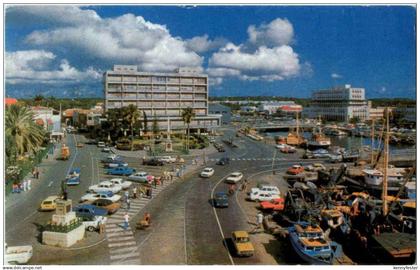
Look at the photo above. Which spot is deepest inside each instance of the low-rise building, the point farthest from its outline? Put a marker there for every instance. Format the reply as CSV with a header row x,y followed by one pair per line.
x,y
248,109
407,113
48,118
340,104
272,107
219,109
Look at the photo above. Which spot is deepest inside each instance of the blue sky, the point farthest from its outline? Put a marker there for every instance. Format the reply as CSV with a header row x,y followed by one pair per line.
x,y
246,50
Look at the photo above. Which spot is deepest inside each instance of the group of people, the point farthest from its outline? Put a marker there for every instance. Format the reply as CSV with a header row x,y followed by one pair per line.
x,y
26,184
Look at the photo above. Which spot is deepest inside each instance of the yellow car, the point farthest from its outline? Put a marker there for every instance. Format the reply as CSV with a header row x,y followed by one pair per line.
x,y
49,203
80,145
242,243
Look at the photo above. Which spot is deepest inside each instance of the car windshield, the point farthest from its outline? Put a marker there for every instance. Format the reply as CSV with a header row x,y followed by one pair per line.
x,y
242,239
47,202
235,174
207,170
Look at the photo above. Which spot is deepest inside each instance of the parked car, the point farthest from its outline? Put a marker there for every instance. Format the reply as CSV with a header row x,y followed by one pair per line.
x,y
88,210
116,163
101,144
121,171
108,205
74,181
288,149
234,177
220,199
207,172
120,182
49,204
92,223
265,188
112,158
308,154
320,153
166,159
106,149
295,169
315,167
152,162
105,186
17,254
335,158
141,177
73,172
262,196
242,243
79,144
223,161
281,146
90,197
273,205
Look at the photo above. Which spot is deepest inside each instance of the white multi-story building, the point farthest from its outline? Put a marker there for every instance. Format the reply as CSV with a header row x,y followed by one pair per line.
x,y
273,107
340,104
161,95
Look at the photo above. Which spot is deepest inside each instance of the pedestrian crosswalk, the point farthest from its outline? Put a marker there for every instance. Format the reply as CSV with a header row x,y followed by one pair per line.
x,y
122,245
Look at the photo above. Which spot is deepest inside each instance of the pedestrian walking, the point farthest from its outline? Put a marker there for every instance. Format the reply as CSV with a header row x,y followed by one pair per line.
x,y
15,188
260,218
126,218
155,182
29,184
128,204
135,192
37,173
163,179
25,185
126,194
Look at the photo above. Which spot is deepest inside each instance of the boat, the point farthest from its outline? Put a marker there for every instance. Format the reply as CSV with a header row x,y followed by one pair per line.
x,y
294,138
350,156
374,177
319,140
310,244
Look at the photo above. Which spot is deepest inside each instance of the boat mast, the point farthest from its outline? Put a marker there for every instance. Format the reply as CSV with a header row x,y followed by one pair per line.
x,y
297,124
372,140
385,174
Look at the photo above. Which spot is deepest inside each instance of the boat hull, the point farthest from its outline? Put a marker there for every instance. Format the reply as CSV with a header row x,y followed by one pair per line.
x,y
304,256
314,145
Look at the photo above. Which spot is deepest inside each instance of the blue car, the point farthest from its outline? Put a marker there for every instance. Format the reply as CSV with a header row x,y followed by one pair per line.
x,y
89,211
121,171
75,171
73,181
221,199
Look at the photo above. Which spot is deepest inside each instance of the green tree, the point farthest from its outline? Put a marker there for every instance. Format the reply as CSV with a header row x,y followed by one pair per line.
x,y
155,126
21,131
187,115
38,99
132,114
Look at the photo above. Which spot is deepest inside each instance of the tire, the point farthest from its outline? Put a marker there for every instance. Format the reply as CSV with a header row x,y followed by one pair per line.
x,y
91,228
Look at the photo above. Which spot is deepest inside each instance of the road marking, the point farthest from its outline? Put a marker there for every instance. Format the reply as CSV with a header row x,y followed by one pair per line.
x,y
128,262
124,233
115,239
217,218
132,243
123,256
114,229
121,250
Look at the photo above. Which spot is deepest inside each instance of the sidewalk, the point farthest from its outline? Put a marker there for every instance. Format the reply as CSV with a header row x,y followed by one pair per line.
x,y
46,163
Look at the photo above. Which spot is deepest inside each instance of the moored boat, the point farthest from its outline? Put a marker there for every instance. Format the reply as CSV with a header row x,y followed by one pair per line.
x,y
310,244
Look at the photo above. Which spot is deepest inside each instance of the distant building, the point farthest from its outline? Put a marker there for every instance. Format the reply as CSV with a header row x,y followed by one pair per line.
x,y
48,118
407,113
10,101
225,111
340,104
161,95
273,107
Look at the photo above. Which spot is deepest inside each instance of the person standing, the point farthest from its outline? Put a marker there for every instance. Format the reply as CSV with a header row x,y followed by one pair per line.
x,y
29,184
128,204
25,185
126,218
135,192
126,194
260,218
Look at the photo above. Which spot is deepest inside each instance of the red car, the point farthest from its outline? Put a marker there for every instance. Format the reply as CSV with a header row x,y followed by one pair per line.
x,y
295,169
288,149
274,205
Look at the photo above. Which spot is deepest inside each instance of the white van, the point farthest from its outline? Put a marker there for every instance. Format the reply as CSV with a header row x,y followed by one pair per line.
x,y
101,144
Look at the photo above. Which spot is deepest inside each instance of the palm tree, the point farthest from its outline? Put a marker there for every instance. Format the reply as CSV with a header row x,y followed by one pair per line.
x,y
38,99
21,131
132,114
187,115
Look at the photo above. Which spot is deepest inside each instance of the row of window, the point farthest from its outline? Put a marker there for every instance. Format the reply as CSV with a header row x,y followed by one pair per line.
x,y
155,79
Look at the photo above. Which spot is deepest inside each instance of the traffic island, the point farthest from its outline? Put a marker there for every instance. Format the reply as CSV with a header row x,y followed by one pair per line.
x,y
65,229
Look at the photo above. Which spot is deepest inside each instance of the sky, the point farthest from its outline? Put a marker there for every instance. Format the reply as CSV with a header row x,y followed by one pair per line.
x,y
288,51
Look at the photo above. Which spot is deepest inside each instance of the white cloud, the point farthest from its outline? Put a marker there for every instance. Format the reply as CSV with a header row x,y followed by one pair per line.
x,y
336,76
37,66
266,55
203,43
126,39
277,33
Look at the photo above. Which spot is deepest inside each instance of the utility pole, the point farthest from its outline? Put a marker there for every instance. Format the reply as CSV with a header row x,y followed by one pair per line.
x,y
385,174
274,158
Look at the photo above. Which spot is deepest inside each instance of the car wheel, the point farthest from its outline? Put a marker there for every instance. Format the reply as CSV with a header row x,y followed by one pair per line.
x,y
91,228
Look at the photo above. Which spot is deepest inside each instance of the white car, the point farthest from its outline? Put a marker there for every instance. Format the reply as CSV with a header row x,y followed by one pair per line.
x,y
92,223
207,172
267,189
90,197
234,177
262,196
105,186
121,182
17,254
281,146
167,159
141,177
106,149
101,144
117,164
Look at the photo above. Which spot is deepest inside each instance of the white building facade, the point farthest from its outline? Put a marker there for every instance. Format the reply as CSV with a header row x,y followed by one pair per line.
x,y
161,95
340,104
